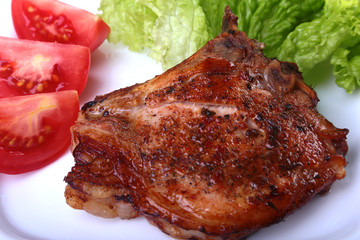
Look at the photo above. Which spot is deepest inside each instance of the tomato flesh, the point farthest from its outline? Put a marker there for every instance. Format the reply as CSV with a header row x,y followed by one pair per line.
x,y
30,85
29,67
34,129
45,26
54,21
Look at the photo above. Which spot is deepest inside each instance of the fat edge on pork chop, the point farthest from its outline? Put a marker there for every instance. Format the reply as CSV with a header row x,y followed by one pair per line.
x,y
217,147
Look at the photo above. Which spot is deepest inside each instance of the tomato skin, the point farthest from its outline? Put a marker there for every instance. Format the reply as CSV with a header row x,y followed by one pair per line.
x,y
35,129
29,67
54,21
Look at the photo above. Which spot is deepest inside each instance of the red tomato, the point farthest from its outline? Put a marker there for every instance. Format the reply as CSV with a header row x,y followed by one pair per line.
x,y
54,21
34,129
28,67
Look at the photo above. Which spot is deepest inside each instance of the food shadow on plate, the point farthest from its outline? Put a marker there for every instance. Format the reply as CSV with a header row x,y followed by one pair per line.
x,y
319,74
94,83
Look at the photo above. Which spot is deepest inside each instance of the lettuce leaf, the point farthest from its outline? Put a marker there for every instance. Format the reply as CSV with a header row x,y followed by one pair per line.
x,y
313,42
173,30
274,20
347,68
180,29
306,32
214,11
245,10
129,22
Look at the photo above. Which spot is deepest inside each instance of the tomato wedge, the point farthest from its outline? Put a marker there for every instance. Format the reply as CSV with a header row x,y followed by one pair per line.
x,y
29,67
54,21
35,129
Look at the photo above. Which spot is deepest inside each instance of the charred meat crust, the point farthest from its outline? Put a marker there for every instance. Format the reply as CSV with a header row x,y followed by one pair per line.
x,y
224,143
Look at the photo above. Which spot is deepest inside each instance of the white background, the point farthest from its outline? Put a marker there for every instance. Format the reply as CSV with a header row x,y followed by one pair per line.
x,y
32,205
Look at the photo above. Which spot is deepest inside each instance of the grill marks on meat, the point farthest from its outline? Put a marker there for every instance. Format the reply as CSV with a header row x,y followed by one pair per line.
x,y
224,143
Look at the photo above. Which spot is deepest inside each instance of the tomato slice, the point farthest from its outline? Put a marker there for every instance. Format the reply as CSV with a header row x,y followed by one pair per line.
x,y
29,67
54,21
35,129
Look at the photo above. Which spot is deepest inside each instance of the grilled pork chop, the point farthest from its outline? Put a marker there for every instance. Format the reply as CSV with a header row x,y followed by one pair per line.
x,y
224,143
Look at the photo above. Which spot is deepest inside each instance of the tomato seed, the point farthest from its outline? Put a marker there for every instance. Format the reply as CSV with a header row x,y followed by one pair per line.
x,y
47,129
31,9
4,138
6,69
65,37
55,77
20,83
40,87
12,142
49,27
41,139
29,143
30,85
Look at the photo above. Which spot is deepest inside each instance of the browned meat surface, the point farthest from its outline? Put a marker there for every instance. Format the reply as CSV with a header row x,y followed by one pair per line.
x,y
217,147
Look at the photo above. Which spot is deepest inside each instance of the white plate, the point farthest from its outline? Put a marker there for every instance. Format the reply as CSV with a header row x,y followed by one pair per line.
x,y
32,205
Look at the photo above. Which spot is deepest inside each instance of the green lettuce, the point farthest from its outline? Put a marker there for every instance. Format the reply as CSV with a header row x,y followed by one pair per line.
x,y
313,42
214,11
307,32
245,10
172,30
347,68
272,21
180,29
129,22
